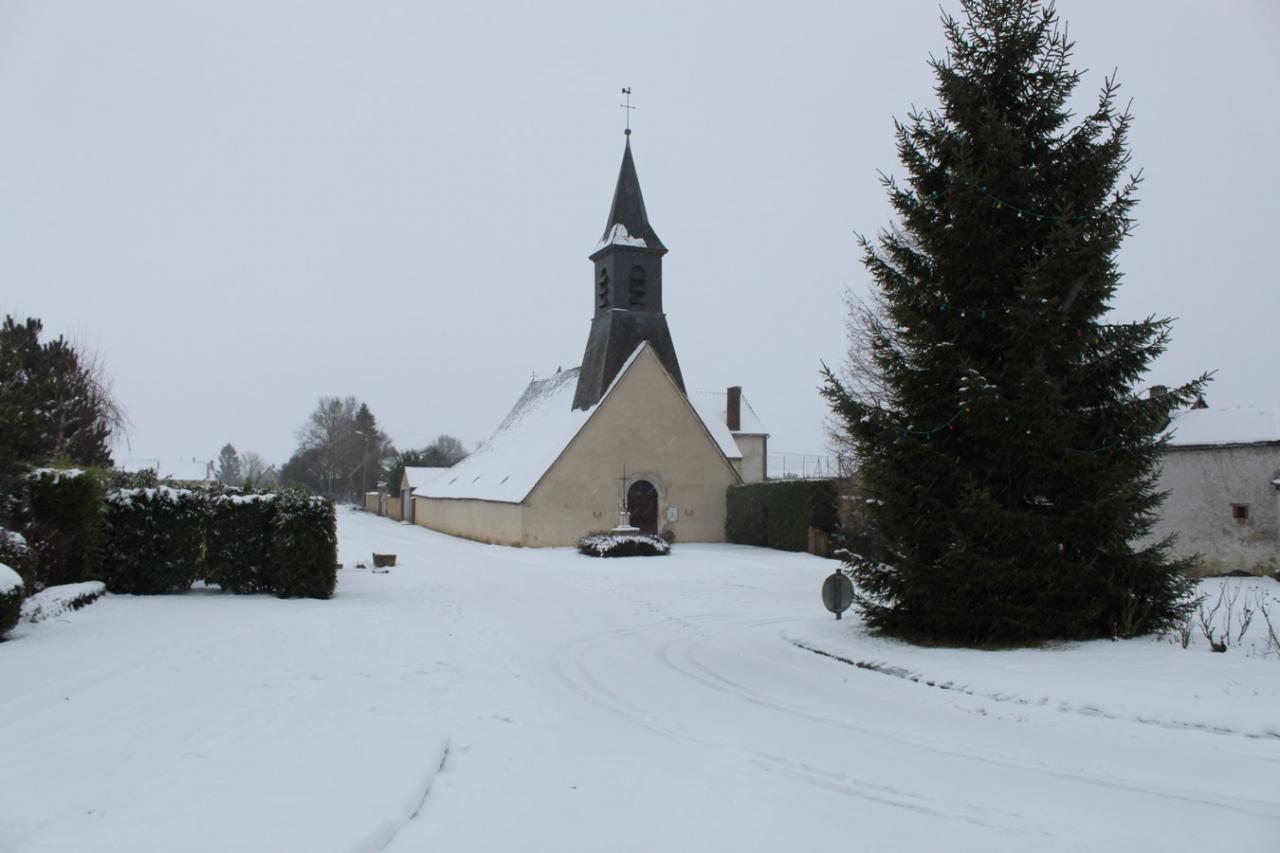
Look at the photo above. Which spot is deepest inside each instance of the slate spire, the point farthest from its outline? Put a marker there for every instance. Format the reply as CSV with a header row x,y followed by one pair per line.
x,y
627,292
628,206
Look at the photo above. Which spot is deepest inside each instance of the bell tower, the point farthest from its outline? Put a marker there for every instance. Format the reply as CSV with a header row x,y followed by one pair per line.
x,y
627,292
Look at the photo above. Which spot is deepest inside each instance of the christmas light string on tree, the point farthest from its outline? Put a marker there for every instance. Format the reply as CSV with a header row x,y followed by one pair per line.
x,y
914,201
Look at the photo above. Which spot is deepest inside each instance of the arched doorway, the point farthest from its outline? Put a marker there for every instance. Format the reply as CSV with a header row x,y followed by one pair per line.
x,y
642,501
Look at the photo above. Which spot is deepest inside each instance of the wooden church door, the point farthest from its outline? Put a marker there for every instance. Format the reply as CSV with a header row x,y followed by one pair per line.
x,y
642,501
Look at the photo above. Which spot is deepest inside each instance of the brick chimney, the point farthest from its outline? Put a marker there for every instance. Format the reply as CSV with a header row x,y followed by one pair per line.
x,y
733,408
1158,391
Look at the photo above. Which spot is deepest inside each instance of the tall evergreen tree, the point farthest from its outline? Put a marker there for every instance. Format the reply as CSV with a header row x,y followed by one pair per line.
x,y
55,402
229,468
1009,455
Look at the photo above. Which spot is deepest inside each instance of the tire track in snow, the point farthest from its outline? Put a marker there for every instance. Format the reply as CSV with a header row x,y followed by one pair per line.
x,y
384,838
680,655
579,677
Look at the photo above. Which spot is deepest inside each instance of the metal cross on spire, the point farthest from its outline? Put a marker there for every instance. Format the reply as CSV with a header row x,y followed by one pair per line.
x,y
626,90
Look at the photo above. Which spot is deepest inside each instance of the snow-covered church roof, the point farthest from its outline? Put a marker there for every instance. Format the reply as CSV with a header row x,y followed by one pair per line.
x,y
1245,424
415,476
532,437
713,406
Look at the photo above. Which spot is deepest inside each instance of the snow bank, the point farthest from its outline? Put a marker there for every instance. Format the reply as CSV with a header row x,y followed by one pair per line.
x,y
1143,680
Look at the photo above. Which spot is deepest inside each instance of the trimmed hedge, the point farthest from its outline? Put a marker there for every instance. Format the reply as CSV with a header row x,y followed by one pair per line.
x,y
238,546
304,546
779,513
11,595
611,544
161,540
65,528
155,540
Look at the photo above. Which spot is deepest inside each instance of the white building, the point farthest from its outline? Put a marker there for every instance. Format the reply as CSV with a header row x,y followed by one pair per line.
x,y
1222,473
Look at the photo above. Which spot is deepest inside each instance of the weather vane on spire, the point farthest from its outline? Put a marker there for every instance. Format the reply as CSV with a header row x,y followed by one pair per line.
x,y
626,90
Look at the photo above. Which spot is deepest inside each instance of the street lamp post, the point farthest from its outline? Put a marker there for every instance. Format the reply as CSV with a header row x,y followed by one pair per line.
x,y
364,461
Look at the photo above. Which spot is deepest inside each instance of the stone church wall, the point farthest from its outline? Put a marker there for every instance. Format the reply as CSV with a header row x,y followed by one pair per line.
x,y
646,424
485,521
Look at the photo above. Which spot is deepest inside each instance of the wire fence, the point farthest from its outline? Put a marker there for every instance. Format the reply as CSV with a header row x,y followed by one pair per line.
x,y
783,465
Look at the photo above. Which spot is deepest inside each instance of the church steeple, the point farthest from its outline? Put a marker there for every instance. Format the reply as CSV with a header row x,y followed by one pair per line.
x,y
628,210
628,292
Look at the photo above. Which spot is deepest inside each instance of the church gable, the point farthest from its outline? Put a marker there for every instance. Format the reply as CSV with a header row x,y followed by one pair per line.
x,y
646,424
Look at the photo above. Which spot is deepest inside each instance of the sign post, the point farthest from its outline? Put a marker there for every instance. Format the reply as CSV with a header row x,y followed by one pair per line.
x,y
837,593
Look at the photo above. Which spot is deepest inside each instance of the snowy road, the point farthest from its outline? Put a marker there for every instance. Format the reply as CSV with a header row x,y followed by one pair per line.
x,y
483,698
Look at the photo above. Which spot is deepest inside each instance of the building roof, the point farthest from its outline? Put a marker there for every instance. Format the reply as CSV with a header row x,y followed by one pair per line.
x,y
525,445
532,437
421,475
714,405
178,470
628,223
1245,424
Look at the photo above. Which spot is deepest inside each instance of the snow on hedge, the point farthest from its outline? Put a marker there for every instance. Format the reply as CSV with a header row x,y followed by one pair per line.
x,y
14,540
9,580
56,475
166,494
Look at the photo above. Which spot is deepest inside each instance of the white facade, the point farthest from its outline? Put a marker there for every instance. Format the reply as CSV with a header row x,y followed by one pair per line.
x,y
1222,476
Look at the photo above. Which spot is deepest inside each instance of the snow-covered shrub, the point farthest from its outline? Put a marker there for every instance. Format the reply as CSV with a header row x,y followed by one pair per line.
x,y
64,529
304,546
610,544
154,540
15,552
54,601
238,542
11,591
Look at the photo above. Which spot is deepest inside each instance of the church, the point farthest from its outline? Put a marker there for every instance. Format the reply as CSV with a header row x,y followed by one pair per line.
x,y
619,431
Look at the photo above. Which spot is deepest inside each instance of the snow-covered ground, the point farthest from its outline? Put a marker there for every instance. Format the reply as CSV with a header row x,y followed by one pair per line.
x,y
486,698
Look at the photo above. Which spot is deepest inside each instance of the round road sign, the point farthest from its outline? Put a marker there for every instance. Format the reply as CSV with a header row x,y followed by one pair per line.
x,y
837,593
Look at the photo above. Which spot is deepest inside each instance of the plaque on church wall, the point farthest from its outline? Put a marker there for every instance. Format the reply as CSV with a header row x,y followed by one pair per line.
x,y
673,513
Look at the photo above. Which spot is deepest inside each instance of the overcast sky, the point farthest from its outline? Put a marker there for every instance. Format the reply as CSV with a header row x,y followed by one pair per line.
x,y
243,206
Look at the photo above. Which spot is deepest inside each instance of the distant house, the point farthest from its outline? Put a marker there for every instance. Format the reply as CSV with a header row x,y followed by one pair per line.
x,y
415,478
1222,473
398,504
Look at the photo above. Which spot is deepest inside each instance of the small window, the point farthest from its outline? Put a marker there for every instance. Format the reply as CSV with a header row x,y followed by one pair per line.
x,y
1240,512
639,287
